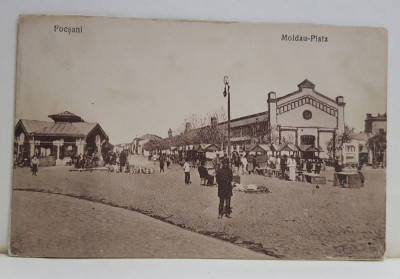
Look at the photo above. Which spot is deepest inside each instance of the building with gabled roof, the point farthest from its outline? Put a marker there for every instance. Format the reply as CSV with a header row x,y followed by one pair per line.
x,y
306,117
303,121
69,135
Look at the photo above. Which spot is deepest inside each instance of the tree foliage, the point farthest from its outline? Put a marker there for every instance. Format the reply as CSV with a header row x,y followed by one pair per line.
x,y
378,145
201,129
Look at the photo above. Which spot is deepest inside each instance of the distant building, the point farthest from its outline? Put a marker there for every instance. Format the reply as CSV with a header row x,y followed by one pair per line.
x,y
56,142
374,124
122,146
137,146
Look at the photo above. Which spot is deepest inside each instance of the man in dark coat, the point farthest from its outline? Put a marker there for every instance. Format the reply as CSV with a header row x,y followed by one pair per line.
x,y
224,179
122,161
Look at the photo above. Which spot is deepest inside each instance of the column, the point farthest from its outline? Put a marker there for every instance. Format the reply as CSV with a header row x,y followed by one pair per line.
x,y
31,148
58,143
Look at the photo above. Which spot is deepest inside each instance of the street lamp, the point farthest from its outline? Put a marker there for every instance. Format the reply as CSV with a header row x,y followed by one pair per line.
x,y
226,92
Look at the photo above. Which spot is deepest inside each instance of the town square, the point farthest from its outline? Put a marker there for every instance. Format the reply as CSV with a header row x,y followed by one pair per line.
x,y
204,148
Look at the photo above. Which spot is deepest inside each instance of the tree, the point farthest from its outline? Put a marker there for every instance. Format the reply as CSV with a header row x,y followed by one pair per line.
x,y
155,145
340,140
201,129
378,145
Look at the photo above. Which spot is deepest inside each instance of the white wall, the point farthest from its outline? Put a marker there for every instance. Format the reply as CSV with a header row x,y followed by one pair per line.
x,y
294,118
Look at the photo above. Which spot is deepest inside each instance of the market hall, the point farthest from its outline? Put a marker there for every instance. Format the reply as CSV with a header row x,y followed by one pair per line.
x,y
57,142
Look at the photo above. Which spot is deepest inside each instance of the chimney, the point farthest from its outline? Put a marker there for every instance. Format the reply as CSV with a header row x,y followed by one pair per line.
x,y
170,133
188,126
272,109
340,118
214,121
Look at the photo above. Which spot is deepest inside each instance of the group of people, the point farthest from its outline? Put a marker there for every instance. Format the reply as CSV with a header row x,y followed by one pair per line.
x,y
164,160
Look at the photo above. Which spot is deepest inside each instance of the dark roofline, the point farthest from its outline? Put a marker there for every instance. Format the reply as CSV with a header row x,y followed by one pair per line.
x,y
59,135
72,117
245,117
298,91
152,135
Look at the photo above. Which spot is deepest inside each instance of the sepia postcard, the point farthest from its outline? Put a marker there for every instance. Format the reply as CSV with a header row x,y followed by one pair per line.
x,y
146,138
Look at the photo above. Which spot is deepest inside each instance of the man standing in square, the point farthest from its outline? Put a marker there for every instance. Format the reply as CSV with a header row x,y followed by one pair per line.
x,y
224,180
186,169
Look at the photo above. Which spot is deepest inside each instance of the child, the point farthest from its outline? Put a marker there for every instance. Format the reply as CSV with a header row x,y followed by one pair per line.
x,y
34,165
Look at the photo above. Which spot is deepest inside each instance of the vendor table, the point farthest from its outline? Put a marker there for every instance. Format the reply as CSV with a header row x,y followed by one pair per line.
x,y
314,178
349,180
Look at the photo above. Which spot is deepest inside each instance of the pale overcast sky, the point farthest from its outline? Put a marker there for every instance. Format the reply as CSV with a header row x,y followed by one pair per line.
x,y
145,76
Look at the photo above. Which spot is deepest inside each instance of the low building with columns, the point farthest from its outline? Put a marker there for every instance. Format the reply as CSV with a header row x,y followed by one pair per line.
x,y
55,143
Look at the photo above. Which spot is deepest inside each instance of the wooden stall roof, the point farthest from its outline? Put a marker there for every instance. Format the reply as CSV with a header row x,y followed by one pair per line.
x,y
261,148
290,147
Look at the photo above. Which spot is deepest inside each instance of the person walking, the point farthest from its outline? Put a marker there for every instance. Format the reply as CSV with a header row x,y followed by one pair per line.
x,y
34,165
186,169
224,181
292,164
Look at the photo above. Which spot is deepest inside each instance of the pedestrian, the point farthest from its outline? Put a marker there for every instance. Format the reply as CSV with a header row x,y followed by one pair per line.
x,y
217,163
162,160
243,162
318,166
186,169
34,165
224,179
283,166
122,161
361,176
254,163
323,168
291,163
168,161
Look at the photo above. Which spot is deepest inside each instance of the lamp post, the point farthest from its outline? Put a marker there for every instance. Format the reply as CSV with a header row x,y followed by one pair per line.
x,y
226,92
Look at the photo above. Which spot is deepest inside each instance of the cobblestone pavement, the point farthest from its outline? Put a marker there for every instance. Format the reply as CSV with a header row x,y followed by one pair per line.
x,y
294,220
73,227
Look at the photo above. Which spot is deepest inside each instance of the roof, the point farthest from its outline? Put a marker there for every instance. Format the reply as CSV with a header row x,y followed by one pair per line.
x,y
62,129
240,139
80,129
290,147
66,116
261,148
305,84
31,126
248,119
308,147
149,136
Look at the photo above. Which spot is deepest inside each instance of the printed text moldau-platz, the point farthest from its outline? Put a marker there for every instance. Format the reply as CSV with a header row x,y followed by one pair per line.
x,y
303,38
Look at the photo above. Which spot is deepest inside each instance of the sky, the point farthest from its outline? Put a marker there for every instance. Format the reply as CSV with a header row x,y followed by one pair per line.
x,y
145,76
